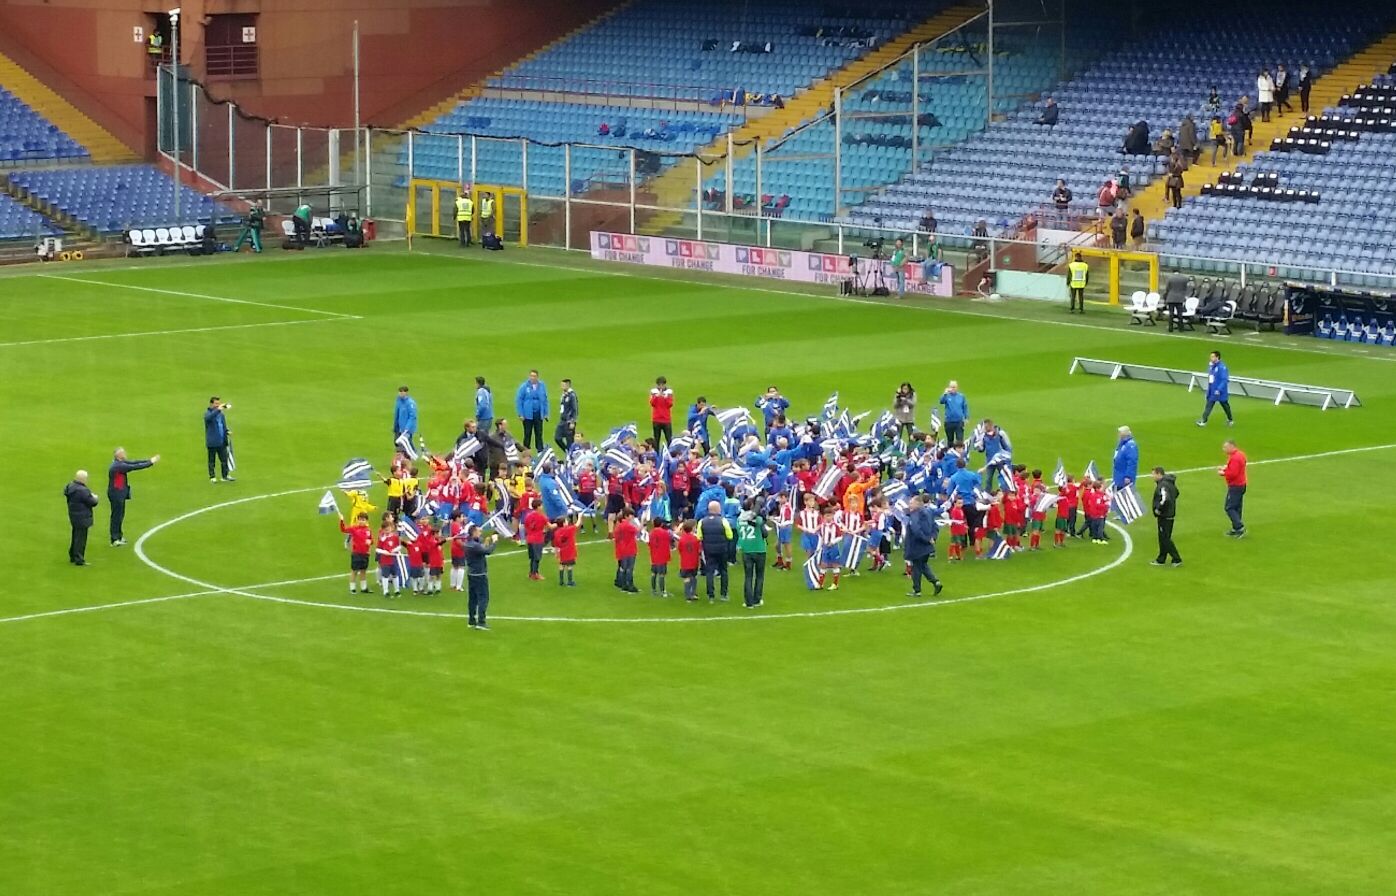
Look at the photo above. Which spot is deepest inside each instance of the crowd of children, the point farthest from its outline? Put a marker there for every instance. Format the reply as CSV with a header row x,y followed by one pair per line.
x,y
843,492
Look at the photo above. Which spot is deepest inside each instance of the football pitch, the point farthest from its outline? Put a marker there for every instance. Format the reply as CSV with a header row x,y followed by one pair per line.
x,y
209,711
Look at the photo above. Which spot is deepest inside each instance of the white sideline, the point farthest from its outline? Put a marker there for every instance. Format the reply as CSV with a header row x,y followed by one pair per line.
x,y
197,295
1292,458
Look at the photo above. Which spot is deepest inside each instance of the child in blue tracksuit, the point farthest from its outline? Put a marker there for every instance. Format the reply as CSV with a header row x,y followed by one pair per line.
x,y
1218,390
731,511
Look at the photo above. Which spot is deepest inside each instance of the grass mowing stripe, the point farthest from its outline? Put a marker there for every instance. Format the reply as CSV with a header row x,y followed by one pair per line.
x,y
197,295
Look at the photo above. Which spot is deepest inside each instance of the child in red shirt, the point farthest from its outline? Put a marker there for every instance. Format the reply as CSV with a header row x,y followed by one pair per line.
x,y
458,530
661,550
416,572
992,510
662,411
626,535
690,557
586,492
389,546
1015,518
360,544
565,540
1066,513
1097,506
1037,519
959,530
535,530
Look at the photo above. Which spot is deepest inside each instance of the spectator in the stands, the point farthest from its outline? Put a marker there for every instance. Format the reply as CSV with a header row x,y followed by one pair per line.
x,y
1283,83
1105,199
1163,146
1213,106
980,248
1137,139
928,222
1239,123
1119,224
1050,113
1061,197
1136,229
1264,93
604,130
1306,83
1173,187
1124,185
1216,135
1187,139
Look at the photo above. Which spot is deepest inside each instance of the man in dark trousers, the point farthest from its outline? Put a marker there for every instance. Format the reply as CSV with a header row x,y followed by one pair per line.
x,y
119,489
531,404
1165,507
1234,472
567,413
716,534
919,546
478,548
80,503
1175,296
217,438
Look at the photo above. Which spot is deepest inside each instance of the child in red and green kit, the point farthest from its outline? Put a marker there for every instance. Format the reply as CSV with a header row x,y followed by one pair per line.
x,y
1015,518
1066,513
959,530
1037,519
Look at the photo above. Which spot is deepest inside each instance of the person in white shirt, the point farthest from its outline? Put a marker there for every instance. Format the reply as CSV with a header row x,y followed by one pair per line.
x,y
1265,93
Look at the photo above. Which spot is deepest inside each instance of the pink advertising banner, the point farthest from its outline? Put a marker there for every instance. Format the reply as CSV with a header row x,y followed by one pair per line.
x,y
754,261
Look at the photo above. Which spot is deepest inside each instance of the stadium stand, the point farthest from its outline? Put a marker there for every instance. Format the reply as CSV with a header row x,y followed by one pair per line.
x,y
25,136
1008,171
19,221
112,199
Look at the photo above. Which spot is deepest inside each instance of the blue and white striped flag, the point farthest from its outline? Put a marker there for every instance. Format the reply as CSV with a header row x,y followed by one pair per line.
x,y
935,422
546,456
357,474
1000,550
856,419
400,559
511,453
500,523
406,531
814,577
1127,504
1059,474
976,438
327,504
1001,459
404,444
503,498
854,550
895,489
620,459
618,436
824,488
1091,472
683,442
465,450
1045,502
232,460
882,425
730,417
831,406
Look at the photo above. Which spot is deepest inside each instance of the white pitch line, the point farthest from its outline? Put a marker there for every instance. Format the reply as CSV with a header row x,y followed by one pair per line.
x,y
196,295
275,323
964,312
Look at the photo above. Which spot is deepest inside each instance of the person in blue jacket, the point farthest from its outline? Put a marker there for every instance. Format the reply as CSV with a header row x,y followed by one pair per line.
x,y
1218,390
712,493
217,437
484,405
956,413
700,415
772,405
1125,468
531,404
554,504
404,415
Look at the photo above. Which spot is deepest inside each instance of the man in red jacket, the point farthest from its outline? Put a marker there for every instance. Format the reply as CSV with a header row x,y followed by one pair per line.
x,y
662,412
1234,472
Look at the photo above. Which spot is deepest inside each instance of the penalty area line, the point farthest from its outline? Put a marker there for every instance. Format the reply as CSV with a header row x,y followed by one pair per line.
x,y
102,336
198,295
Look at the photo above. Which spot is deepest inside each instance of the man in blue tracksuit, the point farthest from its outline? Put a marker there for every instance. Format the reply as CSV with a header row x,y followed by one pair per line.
x,y
119,489
919,545
531,404
404,415
772,405
700,413
1218,390
216,437
484,405
1125,468
956,413
478,548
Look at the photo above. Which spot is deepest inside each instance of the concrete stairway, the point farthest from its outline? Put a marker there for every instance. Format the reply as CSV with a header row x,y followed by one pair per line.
x,y
102,146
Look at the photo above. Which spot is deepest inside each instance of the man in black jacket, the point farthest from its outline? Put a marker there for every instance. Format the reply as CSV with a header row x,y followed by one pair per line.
x,y
80,503
1165,507
716,533
478,548
1175,296
119,489
920,546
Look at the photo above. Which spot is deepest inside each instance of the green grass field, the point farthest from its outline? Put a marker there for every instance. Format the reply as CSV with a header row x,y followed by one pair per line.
x,y
1074,721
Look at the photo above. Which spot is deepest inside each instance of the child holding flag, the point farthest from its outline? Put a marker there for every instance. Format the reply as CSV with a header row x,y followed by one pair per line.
x,y
360,544
389,544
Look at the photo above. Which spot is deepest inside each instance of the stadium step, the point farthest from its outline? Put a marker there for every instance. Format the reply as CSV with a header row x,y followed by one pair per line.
x,y
70,225
673,189
428,115
100,144
1359,68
